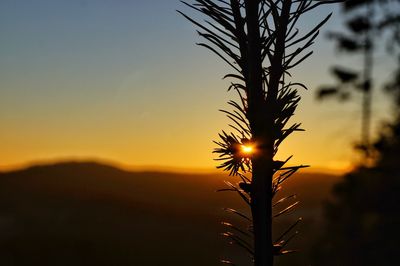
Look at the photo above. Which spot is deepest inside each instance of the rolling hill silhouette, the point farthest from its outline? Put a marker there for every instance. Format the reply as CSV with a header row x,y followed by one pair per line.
x,y
94,214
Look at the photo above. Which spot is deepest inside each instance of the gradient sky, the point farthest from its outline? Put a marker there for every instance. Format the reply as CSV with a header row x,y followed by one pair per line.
x,y
123,81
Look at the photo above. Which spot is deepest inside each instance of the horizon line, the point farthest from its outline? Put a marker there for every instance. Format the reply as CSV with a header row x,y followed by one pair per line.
x,y
145,167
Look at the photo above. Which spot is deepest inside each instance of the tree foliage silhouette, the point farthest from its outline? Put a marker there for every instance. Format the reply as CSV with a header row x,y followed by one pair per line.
x,y
361,223
362,220
260,40
365,22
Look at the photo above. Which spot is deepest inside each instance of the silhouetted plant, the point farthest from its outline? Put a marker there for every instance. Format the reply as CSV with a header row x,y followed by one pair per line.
x,y
260,41
362,220
365,22
361,224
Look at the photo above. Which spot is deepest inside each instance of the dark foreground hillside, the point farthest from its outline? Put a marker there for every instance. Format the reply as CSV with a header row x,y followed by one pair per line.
x,y
91,214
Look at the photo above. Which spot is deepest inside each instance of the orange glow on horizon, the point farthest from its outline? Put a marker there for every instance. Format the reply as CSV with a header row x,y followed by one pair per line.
x,y
332,167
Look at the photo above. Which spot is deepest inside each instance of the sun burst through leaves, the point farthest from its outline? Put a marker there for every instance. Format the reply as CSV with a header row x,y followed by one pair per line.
x,y
247,149
235,152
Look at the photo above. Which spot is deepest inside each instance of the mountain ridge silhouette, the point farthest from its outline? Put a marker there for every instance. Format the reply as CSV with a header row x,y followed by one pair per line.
x,y
89,213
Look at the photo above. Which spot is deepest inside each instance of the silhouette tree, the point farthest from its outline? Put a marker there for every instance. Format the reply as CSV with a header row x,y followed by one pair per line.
x,y
361,223
260,40
365,22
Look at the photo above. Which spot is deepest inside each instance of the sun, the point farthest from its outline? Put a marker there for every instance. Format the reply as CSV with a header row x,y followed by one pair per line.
x,y
247,149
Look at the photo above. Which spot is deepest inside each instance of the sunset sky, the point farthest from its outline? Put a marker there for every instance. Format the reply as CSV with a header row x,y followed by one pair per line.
x,y
123,81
